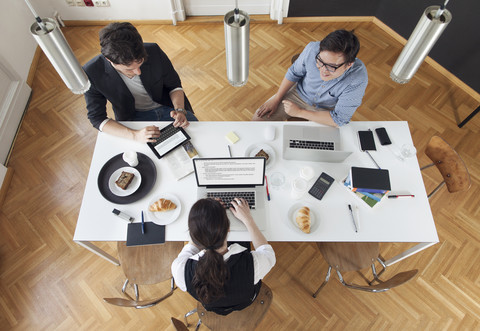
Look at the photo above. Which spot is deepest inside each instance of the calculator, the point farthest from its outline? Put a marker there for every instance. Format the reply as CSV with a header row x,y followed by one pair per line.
x,y
321,186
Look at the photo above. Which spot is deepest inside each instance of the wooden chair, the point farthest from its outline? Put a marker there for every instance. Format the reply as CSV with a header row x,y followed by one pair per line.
x,y
451,166
242,320
354,256
145,265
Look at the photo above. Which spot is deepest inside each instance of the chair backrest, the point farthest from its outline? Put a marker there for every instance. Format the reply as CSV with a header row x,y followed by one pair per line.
x,y
349,256
451,166
246,319
148,264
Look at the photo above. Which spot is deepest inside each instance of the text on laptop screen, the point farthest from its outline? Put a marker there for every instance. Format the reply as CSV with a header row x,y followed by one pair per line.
x,y
229,171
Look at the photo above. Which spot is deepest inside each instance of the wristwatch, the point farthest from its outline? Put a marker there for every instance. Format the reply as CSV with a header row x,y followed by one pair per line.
x,y
181,110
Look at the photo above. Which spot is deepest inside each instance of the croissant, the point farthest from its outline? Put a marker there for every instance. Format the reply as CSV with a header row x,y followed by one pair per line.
x,y
162,205
303,219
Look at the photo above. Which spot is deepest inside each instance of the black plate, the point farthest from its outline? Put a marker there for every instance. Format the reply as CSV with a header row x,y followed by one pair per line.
x,y
145,166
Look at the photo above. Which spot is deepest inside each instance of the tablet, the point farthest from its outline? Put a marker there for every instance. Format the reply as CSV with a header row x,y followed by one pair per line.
x,y
170,138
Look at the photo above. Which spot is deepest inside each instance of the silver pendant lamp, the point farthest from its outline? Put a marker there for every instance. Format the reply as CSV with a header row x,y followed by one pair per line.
x,y
51,40
429,28
237,38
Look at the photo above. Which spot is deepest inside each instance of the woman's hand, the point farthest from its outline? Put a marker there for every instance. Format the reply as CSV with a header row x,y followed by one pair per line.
x,y
241,210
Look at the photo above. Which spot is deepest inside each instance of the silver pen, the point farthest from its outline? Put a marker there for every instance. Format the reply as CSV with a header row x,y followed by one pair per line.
x,y
353,218
229,151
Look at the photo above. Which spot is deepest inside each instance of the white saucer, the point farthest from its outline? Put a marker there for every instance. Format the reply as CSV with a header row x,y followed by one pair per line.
x,y
255,148
164,217
134,185
292,214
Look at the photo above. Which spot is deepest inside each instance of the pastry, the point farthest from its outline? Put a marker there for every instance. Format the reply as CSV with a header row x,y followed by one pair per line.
x,y
303,219
124,180
262,153
162,205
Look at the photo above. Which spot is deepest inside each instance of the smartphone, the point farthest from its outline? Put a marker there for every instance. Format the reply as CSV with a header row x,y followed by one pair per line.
x,y
367,143
383,136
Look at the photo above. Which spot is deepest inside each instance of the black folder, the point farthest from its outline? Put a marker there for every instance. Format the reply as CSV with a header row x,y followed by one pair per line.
x,y
154,234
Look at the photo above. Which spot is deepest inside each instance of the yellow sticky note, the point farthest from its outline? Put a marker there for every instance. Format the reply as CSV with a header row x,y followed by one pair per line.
x,y
232,137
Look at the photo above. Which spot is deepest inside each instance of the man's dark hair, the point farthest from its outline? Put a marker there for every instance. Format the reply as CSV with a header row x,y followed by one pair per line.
x,y
341,41
122,44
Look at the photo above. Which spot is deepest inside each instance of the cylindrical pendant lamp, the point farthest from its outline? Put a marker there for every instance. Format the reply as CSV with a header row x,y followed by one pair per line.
x,y
52,41
430,27
237,38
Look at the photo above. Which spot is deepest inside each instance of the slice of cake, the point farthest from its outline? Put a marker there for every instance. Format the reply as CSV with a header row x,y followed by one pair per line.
x,y
262,153
124,180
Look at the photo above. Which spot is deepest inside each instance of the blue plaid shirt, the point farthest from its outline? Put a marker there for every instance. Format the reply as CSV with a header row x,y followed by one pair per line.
x,y
342,95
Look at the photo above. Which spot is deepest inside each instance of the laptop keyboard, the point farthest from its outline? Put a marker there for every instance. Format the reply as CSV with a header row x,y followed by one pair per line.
x,y
305,144
227,197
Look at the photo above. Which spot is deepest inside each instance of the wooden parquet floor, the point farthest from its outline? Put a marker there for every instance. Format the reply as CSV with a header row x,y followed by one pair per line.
x,y
49,282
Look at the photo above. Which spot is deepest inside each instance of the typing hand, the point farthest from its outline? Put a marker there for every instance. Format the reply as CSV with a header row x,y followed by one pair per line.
x,y
147,134
291,108
180,119
268,108
241,210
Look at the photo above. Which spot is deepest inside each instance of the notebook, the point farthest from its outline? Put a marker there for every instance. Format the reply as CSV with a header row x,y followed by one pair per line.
x,y
170,138
236,176
153,234
309,143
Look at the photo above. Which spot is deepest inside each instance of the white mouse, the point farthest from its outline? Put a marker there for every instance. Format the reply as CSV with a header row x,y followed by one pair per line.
x,y
269,132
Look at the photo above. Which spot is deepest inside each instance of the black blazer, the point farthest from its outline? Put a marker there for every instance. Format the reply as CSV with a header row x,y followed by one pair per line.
x,y
158,77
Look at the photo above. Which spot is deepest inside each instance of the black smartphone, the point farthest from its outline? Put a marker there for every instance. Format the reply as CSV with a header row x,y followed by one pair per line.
x,y
383,136
367,143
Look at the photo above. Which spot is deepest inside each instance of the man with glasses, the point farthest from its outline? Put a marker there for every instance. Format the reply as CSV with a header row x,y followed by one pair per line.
x,y
325,84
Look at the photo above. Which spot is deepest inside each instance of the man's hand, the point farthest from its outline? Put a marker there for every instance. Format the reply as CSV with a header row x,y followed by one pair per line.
x,y
268,108
291,108
147,134
180,119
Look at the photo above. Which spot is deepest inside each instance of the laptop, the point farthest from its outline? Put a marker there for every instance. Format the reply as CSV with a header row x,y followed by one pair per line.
x,y
227,178
312,143
170,138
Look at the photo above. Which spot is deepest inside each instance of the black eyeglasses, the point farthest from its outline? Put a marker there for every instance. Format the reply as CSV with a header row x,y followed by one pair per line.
x,y
329,67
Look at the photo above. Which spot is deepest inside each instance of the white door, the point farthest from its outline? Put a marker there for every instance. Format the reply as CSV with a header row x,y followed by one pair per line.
x,y
221,7
14,95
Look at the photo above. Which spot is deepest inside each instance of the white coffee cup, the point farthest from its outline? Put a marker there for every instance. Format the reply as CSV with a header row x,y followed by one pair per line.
x,y
299,187
307,173
131,158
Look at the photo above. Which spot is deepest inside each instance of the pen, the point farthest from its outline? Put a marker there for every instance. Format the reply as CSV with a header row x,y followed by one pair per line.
x,y
143,224
229,151
357,215
401,195
353,218
266,185
373,160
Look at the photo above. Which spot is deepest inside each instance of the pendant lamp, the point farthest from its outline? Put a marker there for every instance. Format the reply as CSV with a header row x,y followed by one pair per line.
x,y
429,28
51,40
237,35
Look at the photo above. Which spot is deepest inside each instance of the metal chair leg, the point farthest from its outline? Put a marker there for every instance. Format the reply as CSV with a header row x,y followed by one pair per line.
x,y
327,278
125,285
191,312
198,324
137,295
436,189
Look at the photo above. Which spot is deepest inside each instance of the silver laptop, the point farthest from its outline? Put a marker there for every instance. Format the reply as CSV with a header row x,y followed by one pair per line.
x,y
310,143
226,178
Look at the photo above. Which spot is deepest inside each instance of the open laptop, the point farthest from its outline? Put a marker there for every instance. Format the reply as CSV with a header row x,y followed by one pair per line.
x,y
227,178
312,143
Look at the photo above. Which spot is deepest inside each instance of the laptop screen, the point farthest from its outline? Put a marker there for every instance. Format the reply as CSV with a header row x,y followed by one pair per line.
x,y
230,172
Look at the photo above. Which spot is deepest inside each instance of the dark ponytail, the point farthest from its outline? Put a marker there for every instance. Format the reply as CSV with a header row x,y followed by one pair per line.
x,y
208,225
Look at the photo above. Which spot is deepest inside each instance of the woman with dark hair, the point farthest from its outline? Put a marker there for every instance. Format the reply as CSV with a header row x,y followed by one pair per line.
x,y
222,277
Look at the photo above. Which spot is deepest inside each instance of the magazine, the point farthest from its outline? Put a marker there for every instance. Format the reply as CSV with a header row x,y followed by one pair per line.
x,y
180,162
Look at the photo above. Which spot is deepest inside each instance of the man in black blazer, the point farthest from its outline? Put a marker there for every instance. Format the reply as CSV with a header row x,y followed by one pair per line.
x,y
139,81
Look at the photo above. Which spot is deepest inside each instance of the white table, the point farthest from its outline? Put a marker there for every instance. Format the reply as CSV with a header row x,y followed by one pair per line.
x,y
392,220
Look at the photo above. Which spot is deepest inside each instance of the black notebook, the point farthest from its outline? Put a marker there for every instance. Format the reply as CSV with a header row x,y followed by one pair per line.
x,y
370,178
154,234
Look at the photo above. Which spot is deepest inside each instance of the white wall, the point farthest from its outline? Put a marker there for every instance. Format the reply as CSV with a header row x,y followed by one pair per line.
x,y
118,10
